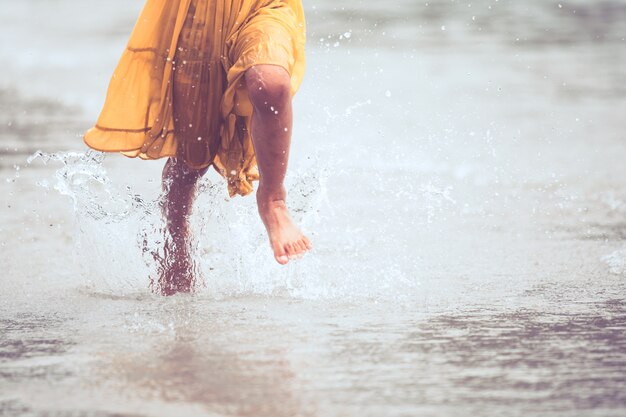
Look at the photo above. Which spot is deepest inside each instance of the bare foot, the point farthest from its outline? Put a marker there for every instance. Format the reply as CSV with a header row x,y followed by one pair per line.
x,y
286,239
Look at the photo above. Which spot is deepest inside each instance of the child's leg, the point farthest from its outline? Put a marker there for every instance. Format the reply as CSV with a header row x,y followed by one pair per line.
x,y
179,186
270,94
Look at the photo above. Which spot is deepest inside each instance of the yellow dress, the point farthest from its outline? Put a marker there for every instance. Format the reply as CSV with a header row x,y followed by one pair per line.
x,y
178,89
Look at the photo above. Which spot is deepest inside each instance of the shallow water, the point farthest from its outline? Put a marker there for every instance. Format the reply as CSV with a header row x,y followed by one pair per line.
x,y
460,168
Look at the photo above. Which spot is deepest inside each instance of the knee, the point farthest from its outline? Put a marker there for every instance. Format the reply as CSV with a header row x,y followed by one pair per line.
x,y
269,88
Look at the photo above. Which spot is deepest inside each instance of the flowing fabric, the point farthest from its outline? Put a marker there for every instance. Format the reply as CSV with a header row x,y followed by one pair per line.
x,y
178,89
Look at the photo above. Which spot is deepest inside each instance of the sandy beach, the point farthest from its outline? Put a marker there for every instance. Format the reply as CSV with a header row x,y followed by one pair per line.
x,y
459,167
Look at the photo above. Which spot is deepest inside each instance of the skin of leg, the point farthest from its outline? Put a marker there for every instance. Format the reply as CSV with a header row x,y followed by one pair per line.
x,y
179,186
269,89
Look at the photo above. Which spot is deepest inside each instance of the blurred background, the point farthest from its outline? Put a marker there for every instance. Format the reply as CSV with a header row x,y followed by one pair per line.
x,y
460,166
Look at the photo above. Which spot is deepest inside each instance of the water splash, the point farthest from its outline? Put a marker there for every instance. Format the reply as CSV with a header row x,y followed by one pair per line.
x,y
120,235
616,261
107,220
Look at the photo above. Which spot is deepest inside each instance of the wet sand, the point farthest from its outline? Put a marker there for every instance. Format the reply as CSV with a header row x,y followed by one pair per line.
x,y
460,169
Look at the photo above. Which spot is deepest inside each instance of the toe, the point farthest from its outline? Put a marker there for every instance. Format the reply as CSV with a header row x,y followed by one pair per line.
x,y
307,243
290,249
280,254
301,247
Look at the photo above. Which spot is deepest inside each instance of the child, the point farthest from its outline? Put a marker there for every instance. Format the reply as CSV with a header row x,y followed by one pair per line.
x,y
210,82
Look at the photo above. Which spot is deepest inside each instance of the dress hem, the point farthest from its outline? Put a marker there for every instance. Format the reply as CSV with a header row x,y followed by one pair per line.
x,y
139,155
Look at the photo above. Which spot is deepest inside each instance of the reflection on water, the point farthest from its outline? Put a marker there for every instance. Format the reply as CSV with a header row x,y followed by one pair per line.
x,y
459,165
19,347
277,358
30,347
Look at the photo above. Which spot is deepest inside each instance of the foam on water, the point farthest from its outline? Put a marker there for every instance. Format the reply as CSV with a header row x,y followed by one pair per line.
x,y
616,261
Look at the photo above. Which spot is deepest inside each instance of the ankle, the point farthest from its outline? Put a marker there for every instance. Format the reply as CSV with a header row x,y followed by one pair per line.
x,y
265,196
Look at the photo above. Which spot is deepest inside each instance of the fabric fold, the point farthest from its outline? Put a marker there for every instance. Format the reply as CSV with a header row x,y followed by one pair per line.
x,y
179,87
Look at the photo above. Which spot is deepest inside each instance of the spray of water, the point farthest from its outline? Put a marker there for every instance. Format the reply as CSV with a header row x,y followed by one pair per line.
x,y
120,236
